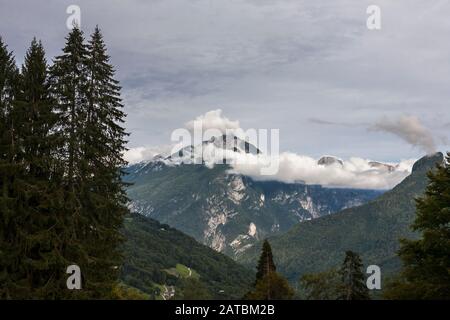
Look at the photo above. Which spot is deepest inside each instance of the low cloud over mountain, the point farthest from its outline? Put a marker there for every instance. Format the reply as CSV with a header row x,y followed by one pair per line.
x,y
355,172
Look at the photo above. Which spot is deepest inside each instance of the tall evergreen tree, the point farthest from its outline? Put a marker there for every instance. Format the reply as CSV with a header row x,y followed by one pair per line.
x,y
40,226
426,261
103,197
38,269
93,140
9,259
69,80
269,285
265,263
68,83
353,279
62,199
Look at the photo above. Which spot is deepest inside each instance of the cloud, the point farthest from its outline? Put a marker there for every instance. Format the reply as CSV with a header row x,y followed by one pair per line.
x,y
213,120
410,129
355,172
274,63
323,122
138,154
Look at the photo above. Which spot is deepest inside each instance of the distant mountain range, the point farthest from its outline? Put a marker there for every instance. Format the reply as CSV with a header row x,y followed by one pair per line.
x,y
372,229
229,212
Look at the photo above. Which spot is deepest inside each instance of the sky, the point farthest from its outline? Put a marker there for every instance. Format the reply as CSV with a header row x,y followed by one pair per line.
x,y
311,69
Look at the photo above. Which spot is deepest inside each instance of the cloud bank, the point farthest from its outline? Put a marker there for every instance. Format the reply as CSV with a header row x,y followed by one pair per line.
x,y
355,172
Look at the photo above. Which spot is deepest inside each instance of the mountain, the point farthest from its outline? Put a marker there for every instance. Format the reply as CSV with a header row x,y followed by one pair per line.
x,y
159,259
228,212
208,150
372,229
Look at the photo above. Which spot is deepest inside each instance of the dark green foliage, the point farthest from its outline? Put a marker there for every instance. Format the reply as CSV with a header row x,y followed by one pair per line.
x,y
62,200
153,248
265,263
39,267
426,261
353,279
192,289
271,287
9,171
347,283
324,285
373,229
90,151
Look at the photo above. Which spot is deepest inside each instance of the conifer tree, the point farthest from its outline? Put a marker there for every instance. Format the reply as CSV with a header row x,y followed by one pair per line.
x,y
62,198
93,141
265,262
68,83
353,279
426,261
269,285
69,79
40,226
9,259
103,197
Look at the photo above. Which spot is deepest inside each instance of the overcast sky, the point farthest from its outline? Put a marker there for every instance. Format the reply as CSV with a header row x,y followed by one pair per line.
x,y
310,68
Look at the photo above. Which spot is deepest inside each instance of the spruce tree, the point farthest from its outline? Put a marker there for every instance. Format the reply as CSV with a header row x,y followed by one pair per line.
x,y
269,285
40,226
353,279
426,261
265,263
68,83
103,196
9,258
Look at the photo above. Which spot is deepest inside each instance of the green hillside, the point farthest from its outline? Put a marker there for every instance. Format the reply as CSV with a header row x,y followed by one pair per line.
x,y
372,230
159,257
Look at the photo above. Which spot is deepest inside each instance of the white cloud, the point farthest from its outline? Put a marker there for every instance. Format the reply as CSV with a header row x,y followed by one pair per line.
x,y
213,120
355,172
138,154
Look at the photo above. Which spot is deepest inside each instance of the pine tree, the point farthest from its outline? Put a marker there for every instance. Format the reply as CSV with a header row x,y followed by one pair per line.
x,y
269,285
324,285
265,262
103,197
68,85
353,279
426,261
93,140
42,263
9,259
38,267
69,80
62,198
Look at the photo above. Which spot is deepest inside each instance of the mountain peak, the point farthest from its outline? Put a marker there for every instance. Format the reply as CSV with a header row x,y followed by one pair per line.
x,y
428,161
330,160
